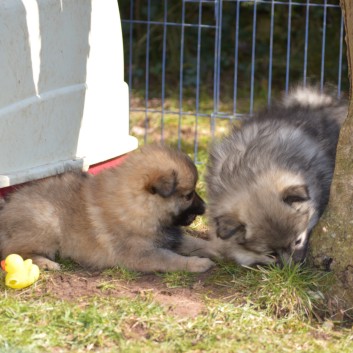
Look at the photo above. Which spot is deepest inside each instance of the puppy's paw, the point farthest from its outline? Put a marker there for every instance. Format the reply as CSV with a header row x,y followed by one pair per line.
x,y
198,264
52,266
46,264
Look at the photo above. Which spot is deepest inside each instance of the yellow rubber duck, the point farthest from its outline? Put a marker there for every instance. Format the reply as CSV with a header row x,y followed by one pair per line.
x,y
20,274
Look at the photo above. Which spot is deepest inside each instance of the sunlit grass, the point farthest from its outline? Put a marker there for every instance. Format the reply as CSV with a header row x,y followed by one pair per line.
x,y
288,291
134,325
291,290
262,310
178,279
122,273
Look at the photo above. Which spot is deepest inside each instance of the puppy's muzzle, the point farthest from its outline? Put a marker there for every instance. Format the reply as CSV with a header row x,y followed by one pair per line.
x,y
198,207
287,258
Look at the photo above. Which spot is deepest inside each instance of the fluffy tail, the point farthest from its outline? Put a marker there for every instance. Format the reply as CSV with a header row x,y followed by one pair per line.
x,y
311,97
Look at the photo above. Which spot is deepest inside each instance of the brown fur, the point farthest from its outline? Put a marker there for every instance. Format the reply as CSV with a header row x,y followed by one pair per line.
x,y
129,216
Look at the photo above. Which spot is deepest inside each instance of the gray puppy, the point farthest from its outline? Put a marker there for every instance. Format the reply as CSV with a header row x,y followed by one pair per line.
x,y
130,215
269,181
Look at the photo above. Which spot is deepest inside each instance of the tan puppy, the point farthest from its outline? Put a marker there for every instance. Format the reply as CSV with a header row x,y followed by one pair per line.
x,y
129,216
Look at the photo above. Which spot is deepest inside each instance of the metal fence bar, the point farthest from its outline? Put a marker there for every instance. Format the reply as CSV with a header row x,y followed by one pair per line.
x,y
283,2
170,24
181,71
164,56
306,42
289,31
322,73
203,115
252,77
219,46
130,48
269,85
340,59
236,46
217,58
147,68
198,64
220,115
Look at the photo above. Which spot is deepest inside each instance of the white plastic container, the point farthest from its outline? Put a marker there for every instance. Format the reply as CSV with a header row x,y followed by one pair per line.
x,y
63,103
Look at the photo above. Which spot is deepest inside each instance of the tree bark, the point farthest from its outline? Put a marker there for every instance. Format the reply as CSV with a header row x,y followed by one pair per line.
x,y
332,240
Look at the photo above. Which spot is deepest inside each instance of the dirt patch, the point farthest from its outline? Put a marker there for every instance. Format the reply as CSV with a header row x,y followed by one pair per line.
x,y
81,285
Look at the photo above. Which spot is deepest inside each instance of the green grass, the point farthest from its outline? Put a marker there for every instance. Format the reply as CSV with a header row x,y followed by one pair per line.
x,y
178,279
134,325
262,310
122,273
288,291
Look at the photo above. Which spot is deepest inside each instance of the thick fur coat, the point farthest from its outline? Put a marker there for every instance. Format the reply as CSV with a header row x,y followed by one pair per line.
x,y
269,181
130,215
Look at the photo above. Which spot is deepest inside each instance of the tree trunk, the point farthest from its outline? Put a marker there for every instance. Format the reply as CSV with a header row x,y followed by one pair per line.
x,y
332,240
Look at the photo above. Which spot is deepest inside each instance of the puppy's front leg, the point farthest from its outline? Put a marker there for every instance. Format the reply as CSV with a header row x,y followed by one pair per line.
x,y
192,246
164,260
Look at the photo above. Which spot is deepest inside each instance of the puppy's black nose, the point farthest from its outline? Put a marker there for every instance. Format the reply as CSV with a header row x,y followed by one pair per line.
x,y
198,205
279,262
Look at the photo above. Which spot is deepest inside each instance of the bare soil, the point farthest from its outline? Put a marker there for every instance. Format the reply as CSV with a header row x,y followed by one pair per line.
x,y
78,285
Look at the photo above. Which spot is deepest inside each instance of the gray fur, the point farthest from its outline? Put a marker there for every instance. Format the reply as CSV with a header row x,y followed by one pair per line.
x,y
273,175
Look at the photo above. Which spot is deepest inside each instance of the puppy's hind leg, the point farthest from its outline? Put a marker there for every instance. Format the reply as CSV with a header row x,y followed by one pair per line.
x,y
43,262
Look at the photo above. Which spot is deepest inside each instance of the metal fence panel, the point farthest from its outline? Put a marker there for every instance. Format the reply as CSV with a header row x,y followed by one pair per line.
x,y
193,66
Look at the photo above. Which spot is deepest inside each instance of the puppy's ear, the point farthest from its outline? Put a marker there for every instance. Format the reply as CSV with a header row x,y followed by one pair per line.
x,y
295,193
228,226
162,184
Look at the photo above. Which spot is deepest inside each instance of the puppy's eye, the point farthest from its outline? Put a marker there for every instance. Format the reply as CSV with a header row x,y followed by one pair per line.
x,y
289,200
189,196
295,194
226,231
